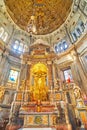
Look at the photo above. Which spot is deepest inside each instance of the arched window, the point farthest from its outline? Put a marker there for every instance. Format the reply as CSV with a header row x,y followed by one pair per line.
x,y
60,48
79,31
25,48
82,25
74,36
4,37
20,48
77,34
16,45
56,49
65,45
1,31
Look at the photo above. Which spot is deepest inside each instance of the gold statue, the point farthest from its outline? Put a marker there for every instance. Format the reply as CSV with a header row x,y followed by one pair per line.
x,y
39,90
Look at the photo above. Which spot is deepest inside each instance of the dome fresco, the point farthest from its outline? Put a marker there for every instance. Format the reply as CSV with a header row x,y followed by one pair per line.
x,y
48,14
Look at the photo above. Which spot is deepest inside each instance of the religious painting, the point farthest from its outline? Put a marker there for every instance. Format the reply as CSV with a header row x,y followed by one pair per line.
x,y
13,76
68,75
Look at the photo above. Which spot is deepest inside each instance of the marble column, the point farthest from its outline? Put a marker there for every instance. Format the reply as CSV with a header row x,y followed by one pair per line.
x,y
23,70
50,74
66,114
3,63
54,74
5,73
78,72
20,78
28,73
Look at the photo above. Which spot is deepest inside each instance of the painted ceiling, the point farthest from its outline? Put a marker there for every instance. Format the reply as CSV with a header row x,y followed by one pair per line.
x,y
48,14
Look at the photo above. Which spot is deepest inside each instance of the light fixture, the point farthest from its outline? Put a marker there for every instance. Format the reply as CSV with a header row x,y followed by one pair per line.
x,y
31,28
36,17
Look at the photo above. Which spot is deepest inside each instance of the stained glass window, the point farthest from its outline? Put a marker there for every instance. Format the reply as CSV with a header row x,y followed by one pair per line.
x,y
13,76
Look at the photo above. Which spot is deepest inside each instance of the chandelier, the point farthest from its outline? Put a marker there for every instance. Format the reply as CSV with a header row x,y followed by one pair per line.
x,y
31,28
36,17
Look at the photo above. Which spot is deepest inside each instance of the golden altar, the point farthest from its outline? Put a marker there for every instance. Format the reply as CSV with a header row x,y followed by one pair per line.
x,y
38,101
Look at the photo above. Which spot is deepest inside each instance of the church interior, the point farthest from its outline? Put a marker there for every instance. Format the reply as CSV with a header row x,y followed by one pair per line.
x,y
43,64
